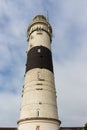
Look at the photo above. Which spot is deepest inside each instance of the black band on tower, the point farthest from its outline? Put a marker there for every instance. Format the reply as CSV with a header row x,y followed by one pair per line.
x,y
39,57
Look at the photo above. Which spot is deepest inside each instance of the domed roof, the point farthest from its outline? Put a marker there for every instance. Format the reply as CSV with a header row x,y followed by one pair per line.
x,y
40,17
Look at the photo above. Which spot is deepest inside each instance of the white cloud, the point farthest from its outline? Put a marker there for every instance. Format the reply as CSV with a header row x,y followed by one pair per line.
x,y
70,62
9,109
71,86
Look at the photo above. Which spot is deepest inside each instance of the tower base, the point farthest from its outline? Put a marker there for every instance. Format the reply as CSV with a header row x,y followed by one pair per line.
x,y
38,124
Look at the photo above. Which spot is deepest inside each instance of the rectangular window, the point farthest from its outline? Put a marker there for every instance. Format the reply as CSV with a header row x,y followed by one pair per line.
x,y
39,50
39,33
39,88
38,113
39,84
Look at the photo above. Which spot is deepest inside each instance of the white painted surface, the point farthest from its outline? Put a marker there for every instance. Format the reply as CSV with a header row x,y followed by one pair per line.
x,y
41,124
39,94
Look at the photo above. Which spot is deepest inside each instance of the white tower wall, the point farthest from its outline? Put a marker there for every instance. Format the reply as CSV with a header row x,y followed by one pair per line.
x,y
39,38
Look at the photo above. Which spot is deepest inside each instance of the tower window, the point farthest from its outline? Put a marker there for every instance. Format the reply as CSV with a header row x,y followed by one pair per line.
x,y
39,75
39,88
39,30
39,33
40,103
39,50
38,113
39,84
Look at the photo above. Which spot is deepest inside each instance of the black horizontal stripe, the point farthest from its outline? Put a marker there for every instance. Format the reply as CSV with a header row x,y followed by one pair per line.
x,y
39,57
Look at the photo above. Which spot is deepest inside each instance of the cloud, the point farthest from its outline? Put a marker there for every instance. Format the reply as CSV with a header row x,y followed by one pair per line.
x,y
69,56
71,87
10,104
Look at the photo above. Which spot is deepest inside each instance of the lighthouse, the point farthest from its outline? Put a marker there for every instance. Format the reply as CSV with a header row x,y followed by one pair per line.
x,y
39,101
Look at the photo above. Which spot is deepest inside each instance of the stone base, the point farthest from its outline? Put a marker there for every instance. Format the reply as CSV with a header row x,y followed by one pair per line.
x,y
39,124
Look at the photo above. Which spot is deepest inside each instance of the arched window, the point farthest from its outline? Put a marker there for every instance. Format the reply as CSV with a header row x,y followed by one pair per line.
x,y
38,112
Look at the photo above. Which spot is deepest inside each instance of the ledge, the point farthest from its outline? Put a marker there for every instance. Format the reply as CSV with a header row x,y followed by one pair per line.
x,y
39,118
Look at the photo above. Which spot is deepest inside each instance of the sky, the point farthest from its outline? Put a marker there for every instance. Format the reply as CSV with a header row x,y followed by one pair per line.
x,y
68,19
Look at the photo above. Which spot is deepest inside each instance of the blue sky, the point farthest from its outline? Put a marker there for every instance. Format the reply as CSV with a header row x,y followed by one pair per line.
x,y
69,46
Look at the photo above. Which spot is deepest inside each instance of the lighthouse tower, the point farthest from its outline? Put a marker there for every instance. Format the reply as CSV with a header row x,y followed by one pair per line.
x,y
39,106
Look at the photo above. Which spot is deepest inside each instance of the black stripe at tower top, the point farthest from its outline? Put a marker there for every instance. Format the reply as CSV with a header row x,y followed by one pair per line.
x,y
39,57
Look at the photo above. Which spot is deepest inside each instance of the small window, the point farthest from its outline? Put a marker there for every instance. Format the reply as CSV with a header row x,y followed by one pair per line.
x,y
39,75
39,50
39,33
40,103
39,88
38,113
39,84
